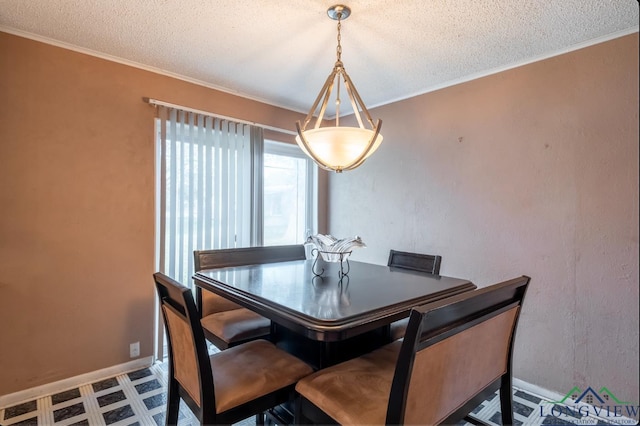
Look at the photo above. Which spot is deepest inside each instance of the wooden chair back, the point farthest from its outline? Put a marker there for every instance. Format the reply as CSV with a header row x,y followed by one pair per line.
x,y
415,261
189,359
208,302
457,352
207,259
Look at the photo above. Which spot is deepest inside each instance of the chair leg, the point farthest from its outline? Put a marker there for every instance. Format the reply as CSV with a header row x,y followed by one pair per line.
x,y
506,399
173,403
298,418
272,332
260,419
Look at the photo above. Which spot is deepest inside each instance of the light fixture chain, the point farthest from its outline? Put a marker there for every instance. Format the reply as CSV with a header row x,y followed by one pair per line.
x,y
327,145
338,54
339,48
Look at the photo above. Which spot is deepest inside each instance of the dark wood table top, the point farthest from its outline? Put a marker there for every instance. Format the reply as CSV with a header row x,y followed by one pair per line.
x,y
327,308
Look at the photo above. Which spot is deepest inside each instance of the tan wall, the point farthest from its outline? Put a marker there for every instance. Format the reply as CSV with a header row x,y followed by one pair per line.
x,y
530,171
543,182
77,206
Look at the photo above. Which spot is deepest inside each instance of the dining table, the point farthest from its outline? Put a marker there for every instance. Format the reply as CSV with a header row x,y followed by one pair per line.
x,y
329,318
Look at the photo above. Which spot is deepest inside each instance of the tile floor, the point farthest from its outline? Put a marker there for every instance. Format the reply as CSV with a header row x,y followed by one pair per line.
x,y
138,398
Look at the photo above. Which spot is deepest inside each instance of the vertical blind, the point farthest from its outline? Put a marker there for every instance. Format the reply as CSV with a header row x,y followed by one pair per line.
x,y
205,188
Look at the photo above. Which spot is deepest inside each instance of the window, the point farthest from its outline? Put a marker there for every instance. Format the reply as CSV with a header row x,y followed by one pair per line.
x,y
289,196
220,185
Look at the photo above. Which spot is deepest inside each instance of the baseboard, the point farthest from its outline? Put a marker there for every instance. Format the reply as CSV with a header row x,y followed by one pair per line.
x,y
537,390
555,396
72,382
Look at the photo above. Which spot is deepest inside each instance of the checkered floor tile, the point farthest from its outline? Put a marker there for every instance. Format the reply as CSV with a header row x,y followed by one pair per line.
x,y
139,398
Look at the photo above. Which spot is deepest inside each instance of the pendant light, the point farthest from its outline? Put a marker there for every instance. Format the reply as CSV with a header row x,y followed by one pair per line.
x,y
339,148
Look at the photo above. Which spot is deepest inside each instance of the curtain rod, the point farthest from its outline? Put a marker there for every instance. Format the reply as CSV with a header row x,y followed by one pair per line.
x,y
155,102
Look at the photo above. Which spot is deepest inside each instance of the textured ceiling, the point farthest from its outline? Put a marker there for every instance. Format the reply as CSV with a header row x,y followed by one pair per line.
x,y
281,52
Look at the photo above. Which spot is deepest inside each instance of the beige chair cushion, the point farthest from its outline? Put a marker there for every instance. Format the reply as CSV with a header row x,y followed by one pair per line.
x,y
251,370
213,303
356,391
449,373
236,325
183,352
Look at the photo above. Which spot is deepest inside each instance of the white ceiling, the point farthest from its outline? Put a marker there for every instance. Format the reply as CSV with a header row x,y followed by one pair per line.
x,y
281,52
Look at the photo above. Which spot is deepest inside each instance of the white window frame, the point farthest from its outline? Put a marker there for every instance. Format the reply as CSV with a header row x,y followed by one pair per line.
x,y
290,150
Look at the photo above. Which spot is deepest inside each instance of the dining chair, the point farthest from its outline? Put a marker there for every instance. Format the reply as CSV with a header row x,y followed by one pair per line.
x,y
227,386
456,352
416,262
225,323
